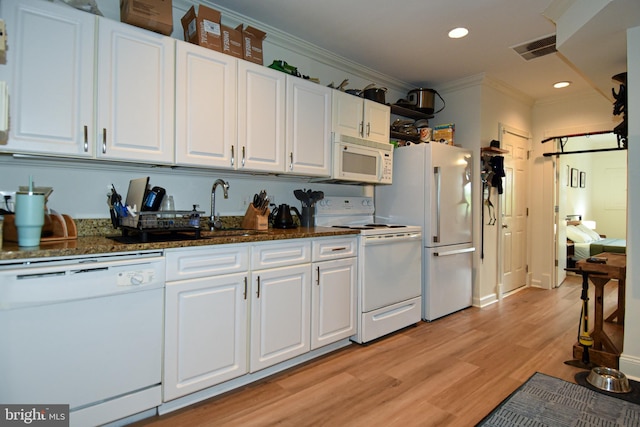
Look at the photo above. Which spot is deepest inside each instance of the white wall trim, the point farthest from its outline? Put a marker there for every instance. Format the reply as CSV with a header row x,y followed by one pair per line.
x,y
485,301
630,366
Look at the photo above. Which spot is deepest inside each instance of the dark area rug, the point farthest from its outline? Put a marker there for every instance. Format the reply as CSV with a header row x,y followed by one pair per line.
x,y
548,401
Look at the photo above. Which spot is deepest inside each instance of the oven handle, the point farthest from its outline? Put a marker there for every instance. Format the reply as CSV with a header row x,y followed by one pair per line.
x,y
385,239
456,252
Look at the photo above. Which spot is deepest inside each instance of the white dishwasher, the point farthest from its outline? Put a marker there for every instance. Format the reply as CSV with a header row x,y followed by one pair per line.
x,y
85,332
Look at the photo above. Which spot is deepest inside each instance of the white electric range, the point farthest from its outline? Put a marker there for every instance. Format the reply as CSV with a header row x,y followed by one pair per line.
x,y
389,266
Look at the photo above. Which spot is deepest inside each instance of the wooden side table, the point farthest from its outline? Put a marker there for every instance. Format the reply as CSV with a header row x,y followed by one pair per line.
x,y
615,268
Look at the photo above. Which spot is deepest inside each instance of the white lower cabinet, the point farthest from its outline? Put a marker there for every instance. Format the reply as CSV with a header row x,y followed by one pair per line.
x,y
279,315
333,294
206,310
280,302
232,310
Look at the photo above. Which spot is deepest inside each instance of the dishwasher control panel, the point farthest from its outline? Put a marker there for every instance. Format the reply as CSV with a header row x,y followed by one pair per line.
x,y
135,277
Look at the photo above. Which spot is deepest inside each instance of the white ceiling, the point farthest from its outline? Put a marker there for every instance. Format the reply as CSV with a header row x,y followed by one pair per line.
x,y
407,39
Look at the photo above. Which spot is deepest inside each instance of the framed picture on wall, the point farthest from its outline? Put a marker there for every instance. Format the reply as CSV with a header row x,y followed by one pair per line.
x,y
574,177
583,179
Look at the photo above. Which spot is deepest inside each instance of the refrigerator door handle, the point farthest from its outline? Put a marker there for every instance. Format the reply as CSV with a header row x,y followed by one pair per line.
x,y
436,172
456,252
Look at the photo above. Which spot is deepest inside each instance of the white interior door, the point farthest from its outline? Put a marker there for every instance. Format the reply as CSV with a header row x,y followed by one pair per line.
x,y
514,209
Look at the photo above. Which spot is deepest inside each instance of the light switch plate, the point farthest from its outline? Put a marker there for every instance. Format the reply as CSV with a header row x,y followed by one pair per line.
x,y
3,37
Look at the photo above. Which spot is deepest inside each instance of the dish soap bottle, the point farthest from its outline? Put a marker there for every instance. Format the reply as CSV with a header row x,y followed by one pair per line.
x,y
194,218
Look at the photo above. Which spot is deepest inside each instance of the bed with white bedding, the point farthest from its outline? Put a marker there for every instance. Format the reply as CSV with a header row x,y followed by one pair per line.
x,y
587,242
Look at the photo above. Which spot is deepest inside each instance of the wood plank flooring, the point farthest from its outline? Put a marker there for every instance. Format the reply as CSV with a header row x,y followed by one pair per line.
x,y
451,372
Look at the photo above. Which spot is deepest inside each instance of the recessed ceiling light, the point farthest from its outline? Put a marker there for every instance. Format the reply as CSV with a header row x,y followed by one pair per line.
x,y
458,33
560,85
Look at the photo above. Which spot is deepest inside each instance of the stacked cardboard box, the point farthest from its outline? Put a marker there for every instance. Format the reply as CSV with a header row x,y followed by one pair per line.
x,y
252,44
154,15
204,28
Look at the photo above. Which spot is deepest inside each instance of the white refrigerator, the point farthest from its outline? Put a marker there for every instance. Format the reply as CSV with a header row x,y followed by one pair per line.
x,y
432,188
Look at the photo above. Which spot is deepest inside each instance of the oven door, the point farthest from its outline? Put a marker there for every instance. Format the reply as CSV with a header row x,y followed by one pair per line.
x,y
357,163
390,269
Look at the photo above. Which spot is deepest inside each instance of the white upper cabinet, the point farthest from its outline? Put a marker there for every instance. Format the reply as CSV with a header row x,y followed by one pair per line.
x,y
360,118
377,121
308,128
135,87
261,118
205,107
49,71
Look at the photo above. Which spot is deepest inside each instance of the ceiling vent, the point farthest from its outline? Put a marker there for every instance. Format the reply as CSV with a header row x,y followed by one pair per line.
x,y
537,48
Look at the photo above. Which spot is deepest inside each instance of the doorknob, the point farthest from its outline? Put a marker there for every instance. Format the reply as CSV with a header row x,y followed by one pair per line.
x,y
505,226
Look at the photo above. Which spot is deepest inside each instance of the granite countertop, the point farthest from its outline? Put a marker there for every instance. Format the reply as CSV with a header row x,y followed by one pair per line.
x,y
95,237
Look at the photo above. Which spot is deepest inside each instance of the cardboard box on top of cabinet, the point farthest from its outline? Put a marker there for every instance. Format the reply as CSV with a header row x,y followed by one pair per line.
x,y
252,44
154,15
203,28
232,41
444,133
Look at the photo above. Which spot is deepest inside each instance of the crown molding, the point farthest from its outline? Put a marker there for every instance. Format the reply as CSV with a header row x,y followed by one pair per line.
x,y
299,46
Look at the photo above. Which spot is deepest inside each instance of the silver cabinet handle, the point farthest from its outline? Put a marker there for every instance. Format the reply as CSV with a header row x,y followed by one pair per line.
x,y
104,141
361,129
243,156
233,156
318,280
291,160
258,291
436,172
86,139
368,128
244,294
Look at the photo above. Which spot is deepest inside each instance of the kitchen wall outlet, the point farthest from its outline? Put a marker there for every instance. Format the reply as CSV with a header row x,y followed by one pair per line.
x,y
7,204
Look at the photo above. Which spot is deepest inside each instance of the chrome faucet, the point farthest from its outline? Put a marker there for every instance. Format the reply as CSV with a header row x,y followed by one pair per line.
x,y
214,221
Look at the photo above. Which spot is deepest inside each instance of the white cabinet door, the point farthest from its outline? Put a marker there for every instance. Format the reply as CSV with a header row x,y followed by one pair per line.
x,y
205,333
205,107
347,114
376,121
308,128
360,118
135,110
261,118
333,301
49,70
280,303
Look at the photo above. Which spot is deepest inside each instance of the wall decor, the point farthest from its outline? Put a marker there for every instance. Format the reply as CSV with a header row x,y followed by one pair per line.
x,y
583,179
574,177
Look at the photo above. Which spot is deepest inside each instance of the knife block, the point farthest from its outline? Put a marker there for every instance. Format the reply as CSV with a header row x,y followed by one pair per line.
x,y
253,220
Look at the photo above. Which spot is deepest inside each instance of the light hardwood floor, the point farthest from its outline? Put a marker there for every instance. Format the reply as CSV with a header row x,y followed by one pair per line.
x,y
451,372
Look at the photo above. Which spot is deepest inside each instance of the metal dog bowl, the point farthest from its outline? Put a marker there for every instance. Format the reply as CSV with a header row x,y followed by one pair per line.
x,y
609,379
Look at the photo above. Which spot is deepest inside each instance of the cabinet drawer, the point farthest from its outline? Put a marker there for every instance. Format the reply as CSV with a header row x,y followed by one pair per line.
x,y
333,248
280,254
188,263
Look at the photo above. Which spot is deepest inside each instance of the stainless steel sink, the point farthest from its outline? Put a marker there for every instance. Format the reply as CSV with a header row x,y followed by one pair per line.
x,y
229,233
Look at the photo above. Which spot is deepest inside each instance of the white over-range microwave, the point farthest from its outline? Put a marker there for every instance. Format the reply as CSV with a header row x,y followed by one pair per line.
x,y
361,160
